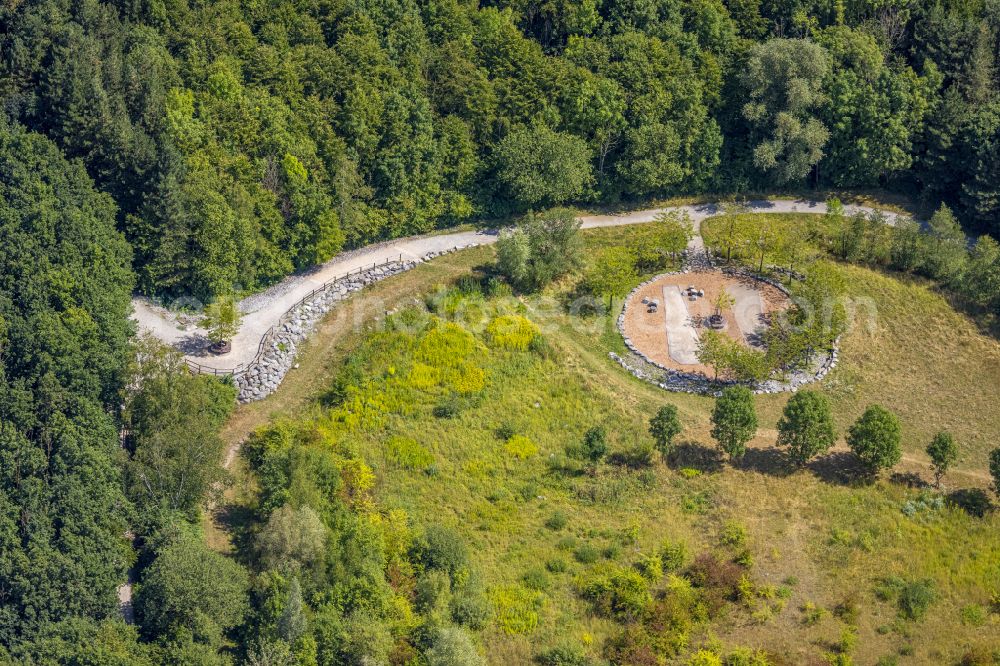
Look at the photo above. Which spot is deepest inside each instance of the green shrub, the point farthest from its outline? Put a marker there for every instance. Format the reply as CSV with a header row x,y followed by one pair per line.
x,y
469,604
650,566
848,640
887,588
745,591
913,597
535,579
529,490
812,614
973,615
452,646
409,453
563,655
471,608
629,535
586,553
733,535
618,592
504,431
556,565
441,548
556,521
595,444
673,555
431,592
449,408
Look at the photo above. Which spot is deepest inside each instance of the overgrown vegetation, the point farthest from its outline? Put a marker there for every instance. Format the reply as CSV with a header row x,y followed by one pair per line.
x,y
661,559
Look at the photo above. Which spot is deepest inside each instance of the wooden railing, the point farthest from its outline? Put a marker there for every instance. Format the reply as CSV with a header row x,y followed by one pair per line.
x,y
268,336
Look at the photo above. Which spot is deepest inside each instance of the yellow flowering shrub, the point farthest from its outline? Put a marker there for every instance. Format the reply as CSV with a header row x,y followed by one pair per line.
x,y
512,332
521,447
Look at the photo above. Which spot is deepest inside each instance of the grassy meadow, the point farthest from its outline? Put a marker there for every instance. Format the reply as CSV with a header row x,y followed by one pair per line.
x,y
466,407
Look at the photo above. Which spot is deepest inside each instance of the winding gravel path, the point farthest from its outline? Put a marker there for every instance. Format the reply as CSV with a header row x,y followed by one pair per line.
x,y
261,311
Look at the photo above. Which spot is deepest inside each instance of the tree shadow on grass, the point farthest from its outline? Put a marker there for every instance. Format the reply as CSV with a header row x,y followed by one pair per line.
x,y
236,520
974,501
689,454
770,460
841,468
909,479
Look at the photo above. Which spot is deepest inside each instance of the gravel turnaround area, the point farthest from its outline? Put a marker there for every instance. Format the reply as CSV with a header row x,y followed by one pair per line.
x,y
670,335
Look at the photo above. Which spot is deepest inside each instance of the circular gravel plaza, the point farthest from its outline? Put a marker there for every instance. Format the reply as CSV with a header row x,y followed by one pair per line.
x,y
665,318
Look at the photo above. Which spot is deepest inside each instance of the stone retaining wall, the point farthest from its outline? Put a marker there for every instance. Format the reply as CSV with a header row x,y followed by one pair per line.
x,y
262,377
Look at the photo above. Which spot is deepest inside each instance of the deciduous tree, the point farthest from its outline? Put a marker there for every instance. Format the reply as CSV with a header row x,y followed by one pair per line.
x,y
995,469
943,452
806,426
734,421
613,274
540,167
543,247
874,438
190,587
664,426
782,81
173,419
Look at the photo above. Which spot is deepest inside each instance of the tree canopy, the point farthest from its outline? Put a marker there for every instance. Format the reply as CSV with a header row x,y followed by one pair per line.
x,y
734,420
543,247
240,143
65,284
806,426
875,439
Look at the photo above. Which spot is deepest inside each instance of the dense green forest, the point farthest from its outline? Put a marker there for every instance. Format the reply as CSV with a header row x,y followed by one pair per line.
x,y
197,148
243,140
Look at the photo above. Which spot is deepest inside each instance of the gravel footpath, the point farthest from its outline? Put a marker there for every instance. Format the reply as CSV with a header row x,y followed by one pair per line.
x,y
263,310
